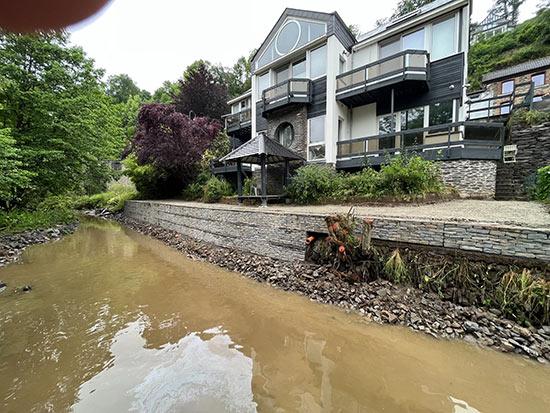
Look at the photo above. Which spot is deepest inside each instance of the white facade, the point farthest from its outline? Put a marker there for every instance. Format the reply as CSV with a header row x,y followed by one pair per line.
x,y
441,29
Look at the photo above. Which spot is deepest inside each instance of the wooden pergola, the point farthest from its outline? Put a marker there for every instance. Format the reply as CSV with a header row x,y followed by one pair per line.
x,y
261,151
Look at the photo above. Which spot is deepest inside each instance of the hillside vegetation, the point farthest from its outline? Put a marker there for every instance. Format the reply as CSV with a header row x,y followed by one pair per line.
x,y
529,40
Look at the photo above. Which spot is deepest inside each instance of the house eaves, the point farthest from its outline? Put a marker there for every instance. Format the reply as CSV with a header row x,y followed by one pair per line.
x,y
241,97
530,66
419,16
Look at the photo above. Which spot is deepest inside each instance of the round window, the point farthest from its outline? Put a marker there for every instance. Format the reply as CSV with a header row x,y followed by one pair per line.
x,y
285,134
288,37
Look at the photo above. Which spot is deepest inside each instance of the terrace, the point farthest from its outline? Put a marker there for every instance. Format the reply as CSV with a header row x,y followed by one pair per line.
x,y
457,140
409,69
289,92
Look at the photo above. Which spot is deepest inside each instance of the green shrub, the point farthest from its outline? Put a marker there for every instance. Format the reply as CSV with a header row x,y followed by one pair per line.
x,y
193,192
146,178
403,177
526,117
409,176
51,211
361,184
112,200
542,186
215,189
248,184
313,183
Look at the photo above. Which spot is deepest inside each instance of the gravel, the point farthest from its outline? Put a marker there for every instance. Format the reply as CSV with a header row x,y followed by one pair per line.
x,y
11,246
518,213
379,301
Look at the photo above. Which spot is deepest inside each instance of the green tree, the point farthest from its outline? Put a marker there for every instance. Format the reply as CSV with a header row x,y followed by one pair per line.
x,y
165,93
14,176
122,87
63,124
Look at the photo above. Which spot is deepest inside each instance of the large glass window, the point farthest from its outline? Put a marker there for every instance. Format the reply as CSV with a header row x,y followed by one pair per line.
x,y
507,87
441,113
281,75
387,124
412,119
316,138
538,79
443,39
318,62
299,69
263,83
294,33
390,49
414,41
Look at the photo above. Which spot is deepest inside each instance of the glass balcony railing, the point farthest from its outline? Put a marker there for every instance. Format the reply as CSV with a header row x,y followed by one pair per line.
x,y
289,91
406,65
235,121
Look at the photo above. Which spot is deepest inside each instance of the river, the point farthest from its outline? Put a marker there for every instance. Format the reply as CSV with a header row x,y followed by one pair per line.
x,y
119,322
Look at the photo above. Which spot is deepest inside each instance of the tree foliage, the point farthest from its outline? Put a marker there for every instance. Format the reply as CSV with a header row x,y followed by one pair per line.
x,y
62,123
529,40
173,144
406,6
14,177
202,92
166,93
121,88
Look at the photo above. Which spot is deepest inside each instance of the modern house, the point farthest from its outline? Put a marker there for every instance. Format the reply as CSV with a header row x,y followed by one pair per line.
x,y
345,101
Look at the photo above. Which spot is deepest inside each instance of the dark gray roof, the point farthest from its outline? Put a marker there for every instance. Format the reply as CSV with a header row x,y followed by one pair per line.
x,y
335,25
401,19
529,66
251,151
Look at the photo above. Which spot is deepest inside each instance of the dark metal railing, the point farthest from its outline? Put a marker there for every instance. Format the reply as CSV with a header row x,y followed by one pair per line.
x,y
493,106
287,91
237,120
449,135
397,64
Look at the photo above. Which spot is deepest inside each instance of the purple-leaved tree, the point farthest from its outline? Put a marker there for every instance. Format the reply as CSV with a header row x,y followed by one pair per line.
x,y
172,142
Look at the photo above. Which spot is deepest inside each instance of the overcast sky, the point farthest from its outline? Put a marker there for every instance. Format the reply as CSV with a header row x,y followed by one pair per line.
x,y
153,41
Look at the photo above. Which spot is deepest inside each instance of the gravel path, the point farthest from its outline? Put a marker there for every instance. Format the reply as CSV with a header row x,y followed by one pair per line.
x,y
528,214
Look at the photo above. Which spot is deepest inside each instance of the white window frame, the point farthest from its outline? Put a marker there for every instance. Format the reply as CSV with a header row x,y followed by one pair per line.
x,y
323,143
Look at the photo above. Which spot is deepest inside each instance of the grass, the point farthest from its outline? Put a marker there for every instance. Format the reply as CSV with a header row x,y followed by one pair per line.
x,y
58,210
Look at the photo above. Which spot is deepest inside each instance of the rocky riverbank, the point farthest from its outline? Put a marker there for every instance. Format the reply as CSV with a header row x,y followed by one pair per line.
x,y
380,301
11,246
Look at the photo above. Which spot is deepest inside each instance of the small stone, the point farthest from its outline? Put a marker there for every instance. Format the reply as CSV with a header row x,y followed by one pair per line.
x,y
470,339
471,326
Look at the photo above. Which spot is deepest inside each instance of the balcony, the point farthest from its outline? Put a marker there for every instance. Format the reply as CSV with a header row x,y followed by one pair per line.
x,y
458,140
289,92
410,70
236,122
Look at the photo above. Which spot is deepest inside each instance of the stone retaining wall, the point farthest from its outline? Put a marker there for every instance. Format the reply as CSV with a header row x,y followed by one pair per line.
x,y
281,235
533,153
471,178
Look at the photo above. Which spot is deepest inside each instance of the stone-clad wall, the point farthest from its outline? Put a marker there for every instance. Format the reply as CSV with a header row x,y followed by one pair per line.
x,y
533,153
281,235
472,178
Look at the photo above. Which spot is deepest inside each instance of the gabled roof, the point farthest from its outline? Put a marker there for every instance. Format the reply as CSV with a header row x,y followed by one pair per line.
x,y
530,66
335,25
251,151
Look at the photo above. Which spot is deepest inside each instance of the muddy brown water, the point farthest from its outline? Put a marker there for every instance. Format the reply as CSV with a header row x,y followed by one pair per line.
x,y
119,322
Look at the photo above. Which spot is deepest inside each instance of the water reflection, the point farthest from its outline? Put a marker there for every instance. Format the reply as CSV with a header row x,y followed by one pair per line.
x,y
119,322
200,372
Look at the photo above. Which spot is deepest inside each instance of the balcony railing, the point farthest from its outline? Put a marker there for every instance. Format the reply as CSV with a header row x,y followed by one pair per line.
x,y
446,141
405,65
235,121
287,92
501,106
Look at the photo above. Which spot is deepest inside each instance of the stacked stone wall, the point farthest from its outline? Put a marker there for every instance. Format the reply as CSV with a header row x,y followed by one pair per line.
x,y
533,145
281,235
